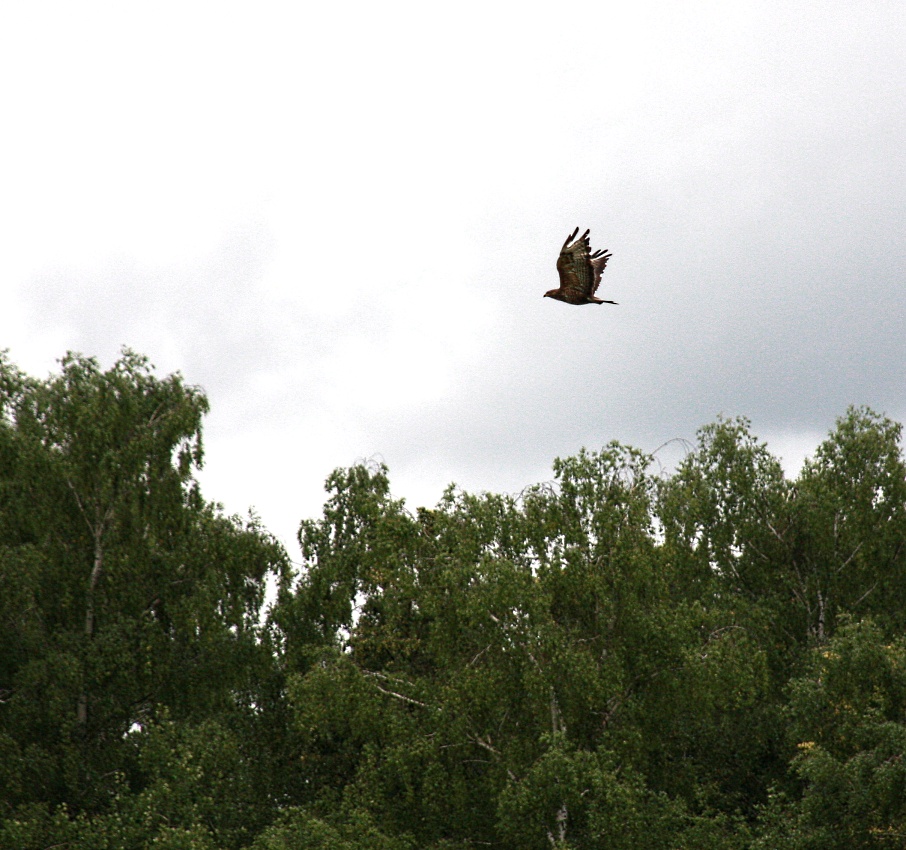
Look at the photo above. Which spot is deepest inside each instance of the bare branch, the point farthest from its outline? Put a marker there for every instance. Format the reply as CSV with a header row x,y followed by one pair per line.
x,y
870,589
394,694
482,652
853,555
486,745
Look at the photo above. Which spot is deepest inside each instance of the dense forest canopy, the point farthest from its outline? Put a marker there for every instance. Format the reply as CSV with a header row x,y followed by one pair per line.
x,y
619,658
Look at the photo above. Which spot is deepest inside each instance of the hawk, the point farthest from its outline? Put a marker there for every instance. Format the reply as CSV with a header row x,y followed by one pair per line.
x,y
580,271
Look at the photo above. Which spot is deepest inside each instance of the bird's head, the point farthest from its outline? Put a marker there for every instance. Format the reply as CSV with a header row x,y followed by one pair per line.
x,y
552,293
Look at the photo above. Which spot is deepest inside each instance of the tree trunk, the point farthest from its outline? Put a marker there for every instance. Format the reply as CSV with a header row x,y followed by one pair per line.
x,y
557,728
96,570
822,606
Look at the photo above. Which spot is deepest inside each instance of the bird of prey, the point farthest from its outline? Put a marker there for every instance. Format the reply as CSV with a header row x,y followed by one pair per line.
x,y
580,271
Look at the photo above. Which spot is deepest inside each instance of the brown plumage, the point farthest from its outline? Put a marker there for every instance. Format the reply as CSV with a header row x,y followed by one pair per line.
x,y
580,271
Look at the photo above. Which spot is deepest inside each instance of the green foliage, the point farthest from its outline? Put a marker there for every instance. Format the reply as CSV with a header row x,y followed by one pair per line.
x,y
713,659
125,596
507,652
848,722
851,522
723,513
298,830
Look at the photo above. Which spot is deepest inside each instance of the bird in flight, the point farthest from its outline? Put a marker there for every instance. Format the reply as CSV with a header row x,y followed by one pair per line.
x,y
580,271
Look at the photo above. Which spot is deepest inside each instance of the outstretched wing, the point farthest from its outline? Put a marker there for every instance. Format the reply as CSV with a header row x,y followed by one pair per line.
x,y
579,269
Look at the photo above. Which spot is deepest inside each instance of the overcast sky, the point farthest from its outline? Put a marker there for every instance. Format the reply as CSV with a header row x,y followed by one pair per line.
x,y
340,219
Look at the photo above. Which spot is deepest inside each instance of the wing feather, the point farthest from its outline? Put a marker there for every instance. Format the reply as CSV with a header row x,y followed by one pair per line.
x,y
598,261
579,269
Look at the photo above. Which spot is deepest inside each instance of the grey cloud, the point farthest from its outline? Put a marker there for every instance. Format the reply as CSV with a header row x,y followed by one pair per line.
x,y
754,199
